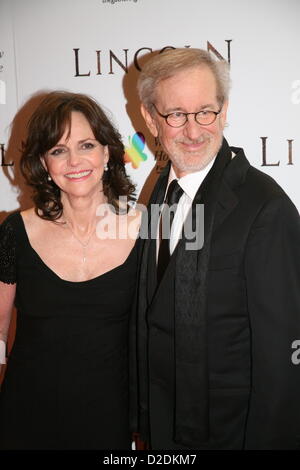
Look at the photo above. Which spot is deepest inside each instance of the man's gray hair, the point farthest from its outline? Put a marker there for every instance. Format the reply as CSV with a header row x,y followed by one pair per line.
x,y
168,63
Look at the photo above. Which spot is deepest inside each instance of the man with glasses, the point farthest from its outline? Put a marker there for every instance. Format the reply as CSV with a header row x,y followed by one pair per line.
x,y
217,319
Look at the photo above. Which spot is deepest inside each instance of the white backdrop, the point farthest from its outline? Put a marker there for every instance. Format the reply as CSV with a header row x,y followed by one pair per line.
x,y
85,46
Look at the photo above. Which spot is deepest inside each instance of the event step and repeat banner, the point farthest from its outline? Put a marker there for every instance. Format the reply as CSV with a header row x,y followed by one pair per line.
x,y
98,47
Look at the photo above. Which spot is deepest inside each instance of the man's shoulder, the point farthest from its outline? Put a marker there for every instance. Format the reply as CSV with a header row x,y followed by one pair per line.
x,y
263,183
255,182
255,190
269,195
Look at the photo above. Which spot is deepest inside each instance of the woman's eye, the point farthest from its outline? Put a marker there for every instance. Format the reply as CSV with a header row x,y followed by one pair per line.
x,y
56,152
88,145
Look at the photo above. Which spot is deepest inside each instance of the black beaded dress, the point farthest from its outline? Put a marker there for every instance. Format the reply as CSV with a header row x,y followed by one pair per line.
x,y
66,384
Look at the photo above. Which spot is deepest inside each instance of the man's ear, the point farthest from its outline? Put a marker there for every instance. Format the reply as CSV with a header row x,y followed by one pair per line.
x,y
223,114
150,121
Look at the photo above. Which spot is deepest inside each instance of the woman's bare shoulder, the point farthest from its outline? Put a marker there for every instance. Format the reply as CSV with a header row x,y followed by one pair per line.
x,y
29,216
33,223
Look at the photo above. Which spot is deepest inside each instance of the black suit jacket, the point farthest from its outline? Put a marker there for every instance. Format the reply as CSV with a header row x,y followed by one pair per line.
x,y
252,314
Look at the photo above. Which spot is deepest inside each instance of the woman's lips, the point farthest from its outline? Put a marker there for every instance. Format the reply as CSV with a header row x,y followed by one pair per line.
x,y
78,175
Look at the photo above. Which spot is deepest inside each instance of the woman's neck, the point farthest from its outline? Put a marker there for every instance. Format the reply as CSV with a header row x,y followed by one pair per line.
x,y
81,212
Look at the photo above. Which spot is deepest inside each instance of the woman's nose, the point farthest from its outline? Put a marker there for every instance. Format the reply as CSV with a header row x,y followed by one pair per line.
x,y
73,157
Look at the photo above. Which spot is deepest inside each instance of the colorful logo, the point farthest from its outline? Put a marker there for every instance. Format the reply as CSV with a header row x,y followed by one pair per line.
x,y
134,153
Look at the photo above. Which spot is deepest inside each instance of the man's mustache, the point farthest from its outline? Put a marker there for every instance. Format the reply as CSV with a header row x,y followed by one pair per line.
x,y
186,141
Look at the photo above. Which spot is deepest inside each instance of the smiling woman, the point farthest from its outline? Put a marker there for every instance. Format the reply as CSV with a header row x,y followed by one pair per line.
x,y
78,157
49,130
66,385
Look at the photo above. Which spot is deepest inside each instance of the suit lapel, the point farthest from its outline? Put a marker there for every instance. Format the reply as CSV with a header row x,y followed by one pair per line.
x,y
227,201
148,278
234,176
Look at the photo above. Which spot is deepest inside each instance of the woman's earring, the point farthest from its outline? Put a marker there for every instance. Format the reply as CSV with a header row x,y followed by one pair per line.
x,y
105,167
49,177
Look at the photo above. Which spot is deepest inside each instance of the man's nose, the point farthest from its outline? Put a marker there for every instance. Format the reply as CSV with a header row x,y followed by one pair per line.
x,y
192,129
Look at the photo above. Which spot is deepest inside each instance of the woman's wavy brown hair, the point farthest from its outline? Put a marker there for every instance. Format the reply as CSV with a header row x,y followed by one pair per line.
x,y
46,127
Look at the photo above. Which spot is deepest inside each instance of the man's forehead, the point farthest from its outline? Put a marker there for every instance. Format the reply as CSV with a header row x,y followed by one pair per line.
x,y
181,73
191,82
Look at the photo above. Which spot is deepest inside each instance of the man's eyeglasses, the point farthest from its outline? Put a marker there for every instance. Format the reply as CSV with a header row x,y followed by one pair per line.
x,y
179,119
